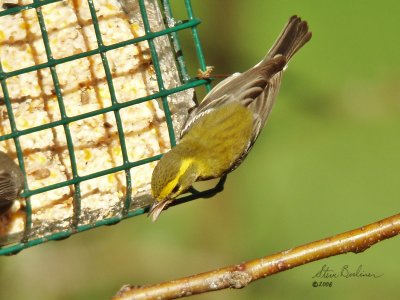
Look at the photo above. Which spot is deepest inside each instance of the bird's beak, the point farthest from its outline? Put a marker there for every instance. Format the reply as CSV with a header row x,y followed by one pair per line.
x,y
157,208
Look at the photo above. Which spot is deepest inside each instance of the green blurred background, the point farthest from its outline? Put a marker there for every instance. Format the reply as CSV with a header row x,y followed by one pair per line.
x,y
328,161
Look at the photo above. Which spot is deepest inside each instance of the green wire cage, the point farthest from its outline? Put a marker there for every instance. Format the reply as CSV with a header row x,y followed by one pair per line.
x,y
30,91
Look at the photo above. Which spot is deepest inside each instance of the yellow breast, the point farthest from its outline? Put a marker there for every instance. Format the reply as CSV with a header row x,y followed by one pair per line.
x,y
219,138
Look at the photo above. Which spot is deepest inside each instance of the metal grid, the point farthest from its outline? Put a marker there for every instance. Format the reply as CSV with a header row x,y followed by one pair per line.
x,y
189,24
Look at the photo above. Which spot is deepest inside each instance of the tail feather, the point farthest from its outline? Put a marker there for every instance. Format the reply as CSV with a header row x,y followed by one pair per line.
x,y
292,38
294,35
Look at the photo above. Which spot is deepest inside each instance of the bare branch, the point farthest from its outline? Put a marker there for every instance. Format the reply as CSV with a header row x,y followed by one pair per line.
x,y
239,276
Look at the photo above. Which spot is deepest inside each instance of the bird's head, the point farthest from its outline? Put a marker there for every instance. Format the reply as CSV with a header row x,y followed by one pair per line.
x,y
173,175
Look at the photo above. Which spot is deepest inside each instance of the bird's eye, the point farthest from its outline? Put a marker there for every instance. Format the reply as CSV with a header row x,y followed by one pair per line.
x,y
176,189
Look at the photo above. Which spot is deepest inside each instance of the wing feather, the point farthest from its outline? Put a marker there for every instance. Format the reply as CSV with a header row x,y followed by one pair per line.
x,y
8,189
243,88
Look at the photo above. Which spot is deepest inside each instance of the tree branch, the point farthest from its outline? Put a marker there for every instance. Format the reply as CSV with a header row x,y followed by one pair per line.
x,y
239,276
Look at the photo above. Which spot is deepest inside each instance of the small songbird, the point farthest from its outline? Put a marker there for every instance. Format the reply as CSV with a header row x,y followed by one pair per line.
x,y
221,130
11,182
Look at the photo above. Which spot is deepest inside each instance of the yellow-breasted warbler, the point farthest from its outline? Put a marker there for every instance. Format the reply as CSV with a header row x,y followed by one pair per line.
x,y
222,129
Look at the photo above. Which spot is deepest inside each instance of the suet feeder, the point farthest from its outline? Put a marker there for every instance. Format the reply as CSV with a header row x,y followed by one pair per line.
x,y
93,92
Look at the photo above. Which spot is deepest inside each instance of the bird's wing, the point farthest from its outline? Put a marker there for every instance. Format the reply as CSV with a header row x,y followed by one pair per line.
x,y
216,95
7,187
220,89
262,105
243,88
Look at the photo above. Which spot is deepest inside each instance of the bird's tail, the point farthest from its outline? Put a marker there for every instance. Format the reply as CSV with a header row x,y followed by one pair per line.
x,y
292,38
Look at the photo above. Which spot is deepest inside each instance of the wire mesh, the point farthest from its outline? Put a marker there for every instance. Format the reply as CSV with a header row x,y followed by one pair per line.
x,y
171,30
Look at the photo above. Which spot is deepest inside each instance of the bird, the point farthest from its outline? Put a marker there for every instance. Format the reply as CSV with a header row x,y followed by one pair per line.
x,y
11,182
219,133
